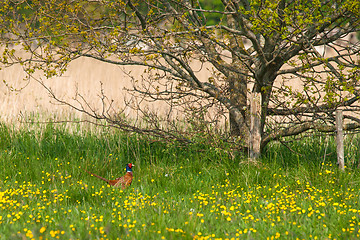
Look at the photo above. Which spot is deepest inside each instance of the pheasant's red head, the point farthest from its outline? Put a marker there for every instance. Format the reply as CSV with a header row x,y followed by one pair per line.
x,y
129,167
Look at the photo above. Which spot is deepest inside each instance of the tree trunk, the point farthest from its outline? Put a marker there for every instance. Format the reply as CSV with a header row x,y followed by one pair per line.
x,y
237,82
238,98
340,139
263,85
255,125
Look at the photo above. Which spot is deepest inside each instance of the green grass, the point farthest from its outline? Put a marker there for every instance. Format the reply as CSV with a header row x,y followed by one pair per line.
x,y
178,192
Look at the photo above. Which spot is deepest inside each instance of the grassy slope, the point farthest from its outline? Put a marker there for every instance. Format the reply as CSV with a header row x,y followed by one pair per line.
x,y
193,192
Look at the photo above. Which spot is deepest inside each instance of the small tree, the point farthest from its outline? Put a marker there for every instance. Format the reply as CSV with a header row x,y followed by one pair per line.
x,y
284,40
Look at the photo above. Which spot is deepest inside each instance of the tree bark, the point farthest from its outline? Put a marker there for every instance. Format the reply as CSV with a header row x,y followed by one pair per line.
x,y
255,125
237,82
340,139
238,98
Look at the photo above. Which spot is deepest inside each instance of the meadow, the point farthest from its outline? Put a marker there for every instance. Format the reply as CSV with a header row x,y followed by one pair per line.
x,y
196,191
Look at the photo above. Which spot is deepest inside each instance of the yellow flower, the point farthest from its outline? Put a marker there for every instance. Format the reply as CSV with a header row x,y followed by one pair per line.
x,y
53,233
29,234
42,229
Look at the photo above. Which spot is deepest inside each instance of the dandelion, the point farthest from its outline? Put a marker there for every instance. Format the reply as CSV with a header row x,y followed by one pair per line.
x,y
29,234
42,229
53,233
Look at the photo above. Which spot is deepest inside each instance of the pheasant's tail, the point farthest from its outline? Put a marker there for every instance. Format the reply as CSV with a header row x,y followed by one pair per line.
x,y
104,179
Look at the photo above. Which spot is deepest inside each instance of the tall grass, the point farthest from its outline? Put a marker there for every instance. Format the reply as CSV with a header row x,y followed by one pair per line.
x,y
295,191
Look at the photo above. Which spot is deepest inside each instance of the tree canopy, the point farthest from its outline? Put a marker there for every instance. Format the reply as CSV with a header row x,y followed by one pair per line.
x,y
250,46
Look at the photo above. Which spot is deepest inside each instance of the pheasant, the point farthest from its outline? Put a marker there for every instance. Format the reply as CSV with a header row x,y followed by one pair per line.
x,y
124,181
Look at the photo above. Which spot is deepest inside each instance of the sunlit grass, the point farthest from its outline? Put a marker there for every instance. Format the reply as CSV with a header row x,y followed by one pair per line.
x,y
196,192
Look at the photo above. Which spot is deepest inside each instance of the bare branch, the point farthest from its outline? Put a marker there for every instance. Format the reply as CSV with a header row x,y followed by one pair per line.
x,y
303,127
